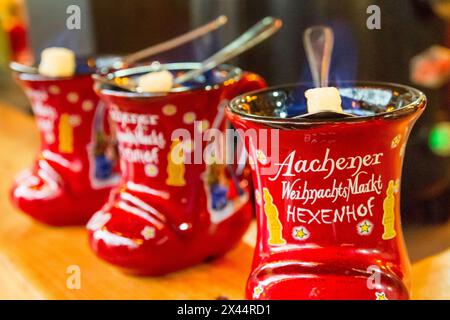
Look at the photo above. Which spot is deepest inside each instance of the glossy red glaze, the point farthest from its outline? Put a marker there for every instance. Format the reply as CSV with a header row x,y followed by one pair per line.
x,y
75,168
163,216
327,246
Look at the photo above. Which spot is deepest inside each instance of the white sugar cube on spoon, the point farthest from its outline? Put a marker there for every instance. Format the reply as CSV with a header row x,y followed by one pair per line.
x,y
323,100
57,62
158,81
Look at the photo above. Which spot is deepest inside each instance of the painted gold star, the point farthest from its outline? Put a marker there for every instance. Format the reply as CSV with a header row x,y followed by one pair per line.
x,y
189,118
148,233
257,291
365,227
381,296
169,110
300,233
151,170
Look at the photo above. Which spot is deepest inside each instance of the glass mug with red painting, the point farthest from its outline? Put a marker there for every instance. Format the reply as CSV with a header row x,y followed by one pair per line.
x,y
172,209
77,164
327,191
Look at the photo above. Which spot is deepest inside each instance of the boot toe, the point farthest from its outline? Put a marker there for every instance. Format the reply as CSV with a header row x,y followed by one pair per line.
x,y
136,244
45,199
40,197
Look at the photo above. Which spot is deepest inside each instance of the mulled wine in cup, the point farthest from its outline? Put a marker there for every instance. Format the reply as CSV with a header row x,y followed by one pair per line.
x,y
173,208
327,189
77,165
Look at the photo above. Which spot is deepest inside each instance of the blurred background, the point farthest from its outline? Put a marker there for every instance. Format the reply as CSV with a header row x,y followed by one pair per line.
x,y
397,52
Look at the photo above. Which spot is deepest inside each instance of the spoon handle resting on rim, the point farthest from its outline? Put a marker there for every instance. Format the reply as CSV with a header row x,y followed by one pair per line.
x,y
175,42
256,34
147,52
22,68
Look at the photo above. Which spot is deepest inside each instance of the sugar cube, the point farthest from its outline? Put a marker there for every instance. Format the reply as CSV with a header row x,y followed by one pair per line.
x,y
323,99
57,62
158,81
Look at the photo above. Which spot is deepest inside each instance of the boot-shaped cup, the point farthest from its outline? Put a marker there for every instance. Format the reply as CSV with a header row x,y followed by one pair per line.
x,y
328,191
172,209
77,164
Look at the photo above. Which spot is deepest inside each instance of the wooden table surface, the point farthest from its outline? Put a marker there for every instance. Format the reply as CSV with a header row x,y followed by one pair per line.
x,y
34,259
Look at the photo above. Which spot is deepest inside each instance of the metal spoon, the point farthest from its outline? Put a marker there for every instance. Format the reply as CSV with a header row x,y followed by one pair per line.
x,y
175,42
256,34
120,62
22,68
253,36
318,42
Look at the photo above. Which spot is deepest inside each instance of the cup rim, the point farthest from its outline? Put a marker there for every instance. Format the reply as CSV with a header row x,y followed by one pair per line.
x,y
418,103
39,77
234,73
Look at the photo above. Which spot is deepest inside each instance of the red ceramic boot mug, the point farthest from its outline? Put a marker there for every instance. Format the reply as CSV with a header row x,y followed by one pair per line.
x,y
77,164
328,192
169,212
